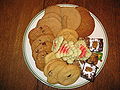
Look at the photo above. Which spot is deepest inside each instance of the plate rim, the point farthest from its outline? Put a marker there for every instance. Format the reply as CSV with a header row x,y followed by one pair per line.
x,y
40,79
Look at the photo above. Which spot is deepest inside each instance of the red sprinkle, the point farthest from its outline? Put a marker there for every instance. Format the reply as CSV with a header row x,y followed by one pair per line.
x,y
83,49
61,48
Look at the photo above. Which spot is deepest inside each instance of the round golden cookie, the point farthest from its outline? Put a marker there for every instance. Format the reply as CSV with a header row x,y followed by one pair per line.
x,y
64,22
53,9
54,24
70,38
54,80
73,17
53,69
42,40
48,65
36,32
87,23
46,46
67,31
40,60
49,57
49,15
69,74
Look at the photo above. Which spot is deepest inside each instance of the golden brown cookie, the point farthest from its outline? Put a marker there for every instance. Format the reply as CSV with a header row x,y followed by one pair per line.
x,y
49,57
87,23
53,23
53,69
42,40
68,34
36,32
64,22
73,17
69,74
46,46
40,60
67,31
70,38
53,9
49,15
48,65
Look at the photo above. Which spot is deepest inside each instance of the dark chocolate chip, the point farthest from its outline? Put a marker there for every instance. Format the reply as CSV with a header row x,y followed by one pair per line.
x,y
43,43
40,27
69,75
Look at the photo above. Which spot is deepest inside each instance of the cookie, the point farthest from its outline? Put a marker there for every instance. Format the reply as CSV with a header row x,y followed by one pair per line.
x,y
42,40
36,32
40,60
73,17
69,35
51,14
67,31
46,46
53,23
47,74
87,23
64,22
68,75
53,9
54,69
70,38
49,57
48,65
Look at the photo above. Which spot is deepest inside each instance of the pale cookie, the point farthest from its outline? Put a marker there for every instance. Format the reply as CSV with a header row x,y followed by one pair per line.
x,y
54,24
87,23
53,9
42,40
49,57
36,32
73,17
49,15
70,38
46,46
53,69
69,74
66,32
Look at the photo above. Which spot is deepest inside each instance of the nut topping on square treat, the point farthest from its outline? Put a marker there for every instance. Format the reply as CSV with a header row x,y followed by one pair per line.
x,y
89,71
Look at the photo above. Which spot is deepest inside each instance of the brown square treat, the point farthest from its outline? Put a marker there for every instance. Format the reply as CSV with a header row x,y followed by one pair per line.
x,y
95,44
89,71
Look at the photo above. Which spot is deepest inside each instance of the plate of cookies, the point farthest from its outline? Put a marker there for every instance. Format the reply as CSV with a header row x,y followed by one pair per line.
x,y
65,46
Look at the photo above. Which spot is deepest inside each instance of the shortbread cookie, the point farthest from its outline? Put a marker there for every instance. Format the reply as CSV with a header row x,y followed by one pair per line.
x,y
68,75
51,14
67,31
87,23
36,32
70,38
73,17
53,9
53,23
42,40
49,57
46,46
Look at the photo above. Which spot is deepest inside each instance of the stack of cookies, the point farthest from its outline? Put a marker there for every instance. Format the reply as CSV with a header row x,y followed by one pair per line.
x,y
41,42
58,71
68,22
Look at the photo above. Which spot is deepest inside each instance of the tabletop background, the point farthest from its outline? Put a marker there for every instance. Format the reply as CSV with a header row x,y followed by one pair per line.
x,y
14,18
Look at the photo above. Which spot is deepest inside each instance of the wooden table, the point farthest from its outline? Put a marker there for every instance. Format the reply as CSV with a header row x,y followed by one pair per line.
x,y
14,18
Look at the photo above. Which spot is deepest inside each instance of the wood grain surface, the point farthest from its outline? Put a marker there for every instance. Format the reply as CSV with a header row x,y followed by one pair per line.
x,y
14,18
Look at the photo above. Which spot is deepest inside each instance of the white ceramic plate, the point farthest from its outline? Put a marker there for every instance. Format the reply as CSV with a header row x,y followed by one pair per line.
x,y
99,32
